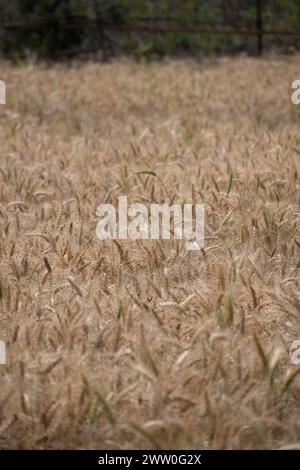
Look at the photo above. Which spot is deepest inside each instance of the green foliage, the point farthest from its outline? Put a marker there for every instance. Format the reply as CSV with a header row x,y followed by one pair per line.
x,y
51,27
43,27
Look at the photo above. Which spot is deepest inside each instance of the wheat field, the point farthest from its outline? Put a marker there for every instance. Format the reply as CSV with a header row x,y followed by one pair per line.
x,y
142,344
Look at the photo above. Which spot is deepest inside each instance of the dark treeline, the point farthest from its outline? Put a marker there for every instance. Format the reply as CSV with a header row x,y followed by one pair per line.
x,y
144,28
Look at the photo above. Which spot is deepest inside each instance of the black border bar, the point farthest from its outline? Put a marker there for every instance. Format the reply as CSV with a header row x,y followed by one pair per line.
x,y
136,458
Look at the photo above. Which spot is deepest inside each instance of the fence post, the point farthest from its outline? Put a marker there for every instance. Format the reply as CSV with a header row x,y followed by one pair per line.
x,y
259,27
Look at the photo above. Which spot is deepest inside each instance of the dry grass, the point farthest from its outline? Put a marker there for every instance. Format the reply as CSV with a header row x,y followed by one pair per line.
x,y
143,344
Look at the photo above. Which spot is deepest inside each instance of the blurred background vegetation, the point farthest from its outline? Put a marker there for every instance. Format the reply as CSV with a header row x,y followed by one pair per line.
x,y
143,28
